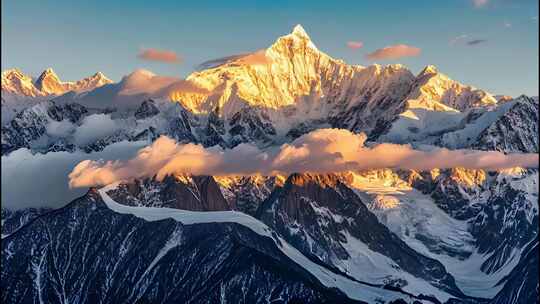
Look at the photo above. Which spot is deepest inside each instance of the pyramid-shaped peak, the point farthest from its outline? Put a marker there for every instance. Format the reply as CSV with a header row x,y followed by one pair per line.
x,y
99,75
430,69
48,73
299,31
298,37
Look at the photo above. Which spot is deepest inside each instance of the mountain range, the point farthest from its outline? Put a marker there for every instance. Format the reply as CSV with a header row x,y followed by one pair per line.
x,y
390,235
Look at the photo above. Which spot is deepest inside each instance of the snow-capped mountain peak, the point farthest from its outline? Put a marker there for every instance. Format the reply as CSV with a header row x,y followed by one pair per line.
x,y
294,76
436,91
297,36
99,79
49,83
290,71
429,69
16,82
299,31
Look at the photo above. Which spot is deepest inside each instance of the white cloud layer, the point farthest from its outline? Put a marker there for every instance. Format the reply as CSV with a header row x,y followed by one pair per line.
x,y
62,128
321,151
41,180
37,180
94,127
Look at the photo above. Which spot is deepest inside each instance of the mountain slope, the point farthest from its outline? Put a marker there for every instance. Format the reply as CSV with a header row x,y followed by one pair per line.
x,y
14,82
326,220
304,84
510,126
476,223
165,255
521,285
515,131
12,220
50,84
247,193
194,193
435,91
274,95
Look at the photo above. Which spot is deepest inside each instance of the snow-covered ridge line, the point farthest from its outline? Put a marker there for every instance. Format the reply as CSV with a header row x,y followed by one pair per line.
x,y
48,83
352,289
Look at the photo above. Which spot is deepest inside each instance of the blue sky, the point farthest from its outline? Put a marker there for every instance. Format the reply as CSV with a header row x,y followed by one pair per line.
x,y
78,38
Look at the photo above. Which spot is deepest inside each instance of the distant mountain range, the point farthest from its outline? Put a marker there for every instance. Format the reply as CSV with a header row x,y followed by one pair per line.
x,y
380,236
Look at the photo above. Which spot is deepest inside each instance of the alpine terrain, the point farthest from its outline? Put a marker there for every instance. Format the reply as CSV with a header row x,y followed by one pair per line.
x,y
381,235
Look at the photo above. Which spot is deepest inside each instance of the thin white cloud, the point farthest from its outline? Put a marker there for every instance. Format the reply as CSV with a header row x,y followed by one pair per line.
x,y
255,58
394,52
458,39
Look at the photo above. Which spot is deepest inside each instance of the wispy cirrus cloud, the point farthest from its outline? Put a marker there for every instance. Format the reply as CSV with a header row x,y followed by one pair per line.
x,y
320,151
394,52
458,39
354,45
255,58
466,40
476,42
166,56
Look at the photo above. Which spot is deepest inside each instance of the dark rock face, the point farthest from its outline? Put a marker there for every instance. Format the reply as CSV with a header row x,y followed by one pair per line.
x,y
12,220
102,143
214,131
322,209
250,125
375,118
305,127
455,199
31,123
247,193
180,128
22,130
198,193
147,109
515,131
521,285
149,134
504,224
73,112
86,253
